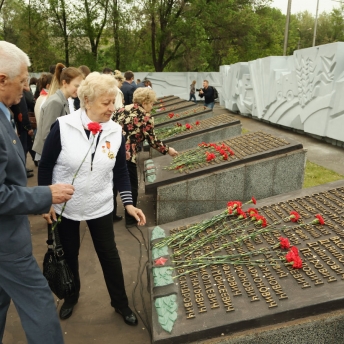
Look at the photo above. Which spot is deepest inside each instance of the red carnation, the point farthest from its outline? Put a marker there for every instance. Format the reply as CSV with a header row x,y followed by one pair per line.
x,y
295,250
234,204
290,256
297,263
225,156
94,127
261,220
251,211
284,243
211,156
198,123
188,126
241,214
319,219
179,124
171,114
294,216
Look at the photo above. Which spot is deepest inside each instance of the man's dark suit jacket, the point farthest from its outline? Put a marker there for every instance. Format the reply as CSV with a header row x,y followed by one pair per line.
x,y
16,200
128,91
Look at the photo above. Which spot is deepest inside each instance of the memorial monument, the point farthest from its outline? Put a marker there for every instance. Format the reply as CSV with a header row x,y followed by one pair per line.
x,y
204,178
248,266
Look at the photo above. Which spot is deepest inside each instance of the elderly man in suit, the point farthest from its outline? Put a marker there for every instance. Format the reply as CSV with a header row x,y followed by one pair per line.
x,y
20,277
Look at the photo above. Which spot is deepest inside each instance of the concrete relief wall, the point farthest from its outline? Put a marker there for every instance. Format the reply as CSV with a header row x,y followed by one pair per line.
x,y
303,91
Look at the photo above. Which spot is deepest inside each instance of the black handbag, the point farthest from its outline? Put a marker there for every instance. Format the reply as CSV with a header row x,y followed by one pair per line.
x,y
55,268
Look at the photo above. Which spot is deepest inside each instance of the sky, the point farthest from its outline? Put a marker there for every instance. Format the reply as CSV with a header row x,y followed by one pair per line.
x,y
303,5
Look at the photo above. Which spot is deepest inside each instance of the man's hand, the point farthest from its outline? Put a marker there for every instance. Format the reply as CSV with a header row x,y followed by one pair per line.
x,y
61,193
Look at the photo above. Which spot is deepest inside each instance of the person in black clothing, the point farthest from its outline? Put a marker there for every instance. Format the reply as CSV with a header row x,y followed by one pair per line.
x,y
208,93
128,88
23,125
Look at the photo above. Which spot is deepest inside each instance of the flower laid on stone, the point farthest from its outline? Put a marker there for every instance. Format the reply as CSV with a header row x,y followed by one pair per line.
x,y
204,153
164,118
200,245
294,216
319,219
284,243
94,128
166,132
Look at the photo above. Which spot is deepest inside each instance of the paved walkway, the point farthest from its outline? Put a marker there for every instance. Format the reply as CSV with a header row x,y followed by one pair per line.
x,y
94,321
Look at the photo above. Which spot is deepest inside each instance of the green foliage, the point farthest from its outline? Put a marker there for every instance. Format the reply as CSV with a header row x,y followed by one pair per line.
x,y
158,35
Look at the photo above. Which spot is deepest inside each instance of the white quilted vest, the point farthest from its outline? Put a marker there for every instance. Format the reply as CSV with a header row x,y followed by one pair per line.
x,y
93,196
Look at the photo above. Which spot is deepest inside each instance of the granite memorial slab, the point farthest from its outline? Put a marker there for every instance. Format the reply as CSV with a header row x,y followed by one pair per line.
x,y
169,102
174,107
212,129
218,273
161,99
183,116
259,163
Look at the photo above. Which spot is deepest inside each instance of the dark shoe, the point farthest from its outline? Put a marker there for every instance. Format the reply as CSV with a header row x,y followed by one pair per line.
x,y
128,316
66,311
29,174
28,170
36,163
117,218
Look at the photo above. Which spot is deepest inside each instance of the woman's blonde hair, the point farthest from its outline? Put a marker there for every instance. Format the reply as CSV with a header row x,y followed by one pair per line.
x,y
96,85
63,73
144,95
118,75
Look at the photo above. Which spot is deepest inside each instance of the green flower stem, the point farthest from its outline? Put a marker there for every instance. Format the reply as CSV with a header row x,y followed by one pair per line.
x,y
190,232
212,236
74,177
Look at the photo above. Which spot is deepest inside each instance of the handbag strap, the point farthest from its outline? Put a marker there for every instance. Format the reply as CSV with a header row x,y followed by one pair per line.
x,y
54,240
50,240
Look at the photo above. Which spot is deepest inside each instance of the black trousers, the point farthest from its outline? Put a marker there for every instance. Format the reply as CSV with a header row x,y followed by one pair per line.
x,y
134,182
103,238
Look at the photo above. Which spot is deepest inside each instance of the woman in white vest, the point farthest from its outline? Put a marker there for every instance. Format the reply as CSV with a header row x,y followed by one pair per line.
x,y
65,148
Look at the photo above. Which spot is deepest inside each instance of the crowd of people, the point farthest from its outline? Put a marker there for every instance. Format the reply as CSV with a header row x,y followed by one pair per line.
x,y
80,172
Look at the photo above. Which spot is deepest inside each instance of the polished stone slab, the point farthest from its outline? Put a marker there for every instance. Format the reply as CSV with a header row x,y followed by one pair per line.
x,y
159,99
168,102
226,299
174,107
263,165
212,129
183,116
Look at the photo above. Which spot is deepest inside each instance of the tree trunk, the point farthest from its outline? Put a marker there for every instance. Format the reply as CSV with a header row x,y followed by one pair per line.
x,y
116,34
1,4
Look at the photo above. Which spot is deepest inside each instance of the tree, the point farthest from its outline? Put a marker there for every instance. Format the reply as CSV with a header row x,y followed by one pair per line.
x,y
1,4
62,18
93,16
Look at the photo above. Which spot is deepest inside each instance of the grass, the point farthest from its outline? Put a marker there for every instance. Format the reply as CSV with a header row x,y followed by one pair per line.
x,y
318,175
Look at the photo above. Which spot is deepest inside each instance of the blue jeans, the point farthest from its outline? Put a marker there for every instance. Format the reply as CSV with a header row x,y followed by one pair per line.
x,y
209,105
192,96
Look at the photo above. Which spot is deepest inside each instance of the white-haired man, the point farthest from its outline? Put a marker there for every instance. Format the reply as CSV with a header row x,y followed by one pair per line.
x,y
20,277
